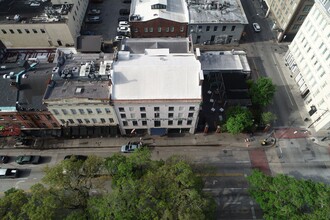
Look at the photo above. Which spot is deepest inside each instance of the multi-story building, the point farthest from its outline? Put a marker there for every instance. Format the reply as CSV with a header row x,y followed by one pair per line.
x,y
22,87
79,94
41,24
157,89
309,60
288,16
216,22
160,18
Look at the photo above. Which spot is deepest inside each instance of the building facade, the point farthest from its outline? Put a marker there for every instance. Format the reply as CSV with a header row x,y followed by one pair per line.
x,y
288,16
308,58
161,18
220,22
48,25
157,91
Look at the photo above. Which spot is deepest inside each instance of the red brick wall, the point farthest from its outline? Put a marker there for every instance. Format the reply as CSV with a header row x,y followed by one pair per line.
x,y
164,24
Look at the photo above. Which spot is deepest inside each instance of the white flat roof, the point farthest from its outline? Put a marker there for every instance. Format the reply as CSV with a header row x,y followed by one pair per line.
x,y
174,76
176,10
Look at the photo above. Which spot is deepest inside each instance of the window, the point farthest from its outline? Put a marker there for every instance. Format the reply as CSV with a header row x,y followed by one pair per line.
x,y
135,123
55,111
23,117
144,123
94,120
123,115
27,31
35,31
157,123
98,110
4,31
71,121
131,109
146,29
111,120
87,121
171,109
207,28
73,111
132,115
159,29
192,108
42,31
181,28
170,115
64,111
307,8
189,122
62,121
37,117
301,17
180,115
215,28
170,122
190,115
19,31
59,43
172,29
79,121
296,27
102,120
224,28
81,111
167,29
107,110
156,115
125,123
142,109
233,28
11,31
121,109
89,111
156,109
143,115
180,122
151,29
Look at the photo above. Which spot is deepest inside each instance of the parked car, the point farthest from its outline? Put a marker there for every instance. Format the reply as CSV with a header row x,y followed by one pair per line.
x,y
122,19
93,19
94,11
130,147
28,159
124,11
123,29
34,4
8,173
119,38
4,159
123,24
256,27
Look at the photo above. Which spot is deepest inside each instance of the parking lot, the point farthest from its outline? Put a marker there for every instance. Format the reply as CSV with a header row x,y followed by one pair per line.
x,y
109,14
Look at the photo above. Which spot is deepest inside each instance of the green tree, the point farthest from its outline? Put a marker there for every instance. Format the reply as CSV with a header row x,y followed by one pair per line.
x,y
239,119
262,91
153,190
11,204
267,118
284,197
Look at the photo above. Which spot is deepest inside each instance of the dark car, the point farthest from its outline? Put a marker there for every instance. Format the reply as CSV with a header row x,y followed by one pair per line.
x,y
122,19
8,173
93,19
28,159
94,11
124,11
4,159
76,157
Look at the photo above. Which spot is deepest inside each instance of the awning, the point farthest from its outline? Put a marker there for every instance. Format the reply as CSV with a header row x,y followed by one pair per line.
x,y
158,131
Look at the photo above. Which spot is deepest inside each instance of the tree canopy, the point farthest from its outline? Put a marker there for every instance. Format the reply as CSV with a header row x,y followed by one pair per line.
x,y
262,91
268,118
284,197
239,119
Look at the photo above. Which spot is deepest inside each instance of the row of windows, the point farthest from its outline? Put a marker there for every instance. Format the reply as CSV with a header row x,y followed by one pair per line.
x,y
28,31
82,111
160,29
157,123
157,115
157,109
86,120
25,117
215,28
